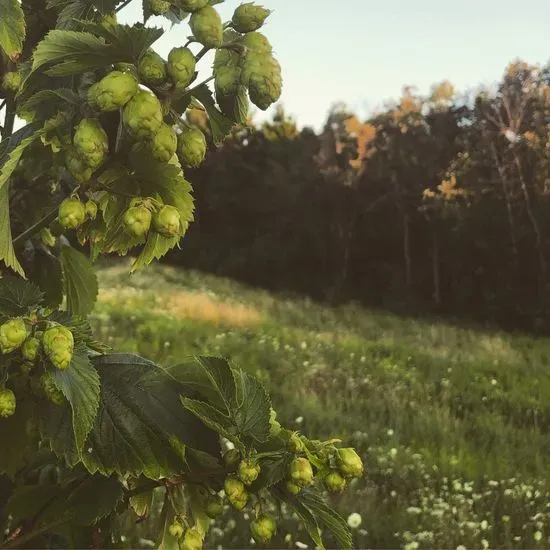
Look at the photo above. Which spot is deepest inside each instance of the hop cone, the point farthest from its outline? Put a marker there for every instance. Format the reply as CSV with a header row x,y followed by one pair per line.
x,y
72,213
181,66
335,482
301,472
249,17
263,528
176,530
52,392
248,471
167,221
349,462
142,115
191,147
265,84
109,20
207,27
12,335
213,506
30,349
137,220
7,404
236,492
113,91
192,540
91,209
91,142
11,82
257,42
58,345
227,80
80,171
152,69
47,237
164,143
159,7
193,5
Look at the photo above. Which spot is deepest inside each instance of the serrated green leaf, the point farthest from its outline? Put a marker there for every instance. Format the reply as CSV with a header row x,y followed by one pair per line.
x,y
81,386
142,502
80,281
10,163
252,418
155,248
28,500
7,252
18,296
72,10
274,469
234,106
222,379
220,125
12,27
45,104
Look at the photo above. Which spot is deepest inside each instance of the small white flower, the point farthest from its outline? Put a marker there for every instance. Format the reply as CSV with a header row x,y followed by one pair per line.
x,y
300,545
494,382
484,525
485,543
229,445
288,538
299,420
411,545
390,432
537,536
354,520
303,345
393,452
363,359
414,510
460,547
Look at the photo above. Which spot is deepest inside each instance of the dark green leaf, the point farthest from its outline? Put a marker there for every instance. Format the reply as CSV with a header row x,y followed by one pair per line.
x,y
80,281
252,418
71,10
12,27
45,104
156,247
18,296
274,469
220,124
222,379
47,274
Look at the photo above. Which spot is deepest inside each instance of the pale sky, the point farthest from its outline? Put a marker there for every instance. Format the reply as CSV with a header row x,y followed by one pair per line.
x,y
363,52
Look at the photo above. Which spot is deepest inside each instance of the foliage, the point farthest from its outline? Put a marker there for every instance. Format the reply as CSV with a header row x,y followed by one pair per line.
x,y
89,434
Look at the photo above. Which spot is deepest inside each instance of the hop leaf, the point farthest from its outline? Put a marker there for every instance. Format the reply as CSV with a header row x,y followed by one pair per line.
x,y
192,540
72,213
301,472
249,17
76,166
207,27
58,345
193,5
142,115
263,528
191,147
137,220
181,66
113,91
50,389
11,82
7,403
167,221
159,7
47,237
91,142
30,349
152,69
164,144
335,482
248,471
12,335
349,462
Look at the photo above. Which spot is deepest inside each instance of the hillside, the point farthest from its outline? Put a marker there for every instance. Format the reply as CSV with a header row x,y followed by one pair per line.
x,y
452,422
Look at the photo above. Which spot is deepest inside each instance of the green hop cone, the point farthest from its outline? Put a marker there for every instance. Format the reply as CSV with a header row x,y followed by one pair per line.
x,y
335,482
193,5
152,69
236,492
249,17
91,209
257,42
11,82
50,389
12,335
349,462
191,147
248,471
192,540
213,506
176,529
158,7
301,472
137,220
227,80
142,115
91,142
207,27
231,458
72,213
30,349
274,424
167,221
7,403
76,166
292,488
47,238
109,20
58,345
265,85
181,66
113,91
295,444
263,528
164,143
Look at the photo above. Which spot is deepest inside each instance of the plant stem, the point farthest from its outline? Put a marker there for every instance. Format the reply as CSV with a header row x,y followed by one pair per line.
x,y
195,88
123,5
143,488
202,53
43,222
15,543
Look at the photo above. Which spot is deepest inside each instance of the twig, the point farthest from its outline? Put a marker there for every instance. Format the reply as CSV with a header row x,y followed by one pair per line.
x,y
202,53
43,222
15,543
123,5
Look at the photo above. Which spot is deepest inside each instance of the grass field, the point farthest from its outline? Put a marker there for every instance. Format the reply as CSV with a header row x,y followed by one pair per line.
x,y
452,423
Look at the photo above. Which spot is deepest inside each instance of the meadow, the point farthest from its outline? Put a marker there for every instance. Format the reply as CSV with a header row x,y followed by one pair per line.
x,y
452,422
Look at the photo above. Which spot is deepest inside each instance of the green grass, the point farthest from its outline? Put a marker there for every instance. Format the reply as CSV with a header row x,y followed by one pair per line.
x,y
452,422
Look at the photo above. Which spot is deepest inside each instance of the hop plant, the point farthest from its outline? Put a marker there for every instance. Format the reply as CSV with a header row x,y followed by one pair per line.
x,y
349,462
248,471
91,142
76,166
137,220
71,213
113,91
192,540
193,5
30,349
207,27
181,66
301,472
176,529
167,221
142,115
58,342
11,82
158,7
47,237
50,389
257,42
90,209
12,335
191,147
335,482
236,492
7,403
213,506
152,69
249,17
263,528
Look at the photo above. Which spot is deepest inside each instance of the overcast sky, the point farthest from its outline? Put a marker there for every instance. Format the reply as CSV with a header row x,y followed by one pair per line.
x,y
363,52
